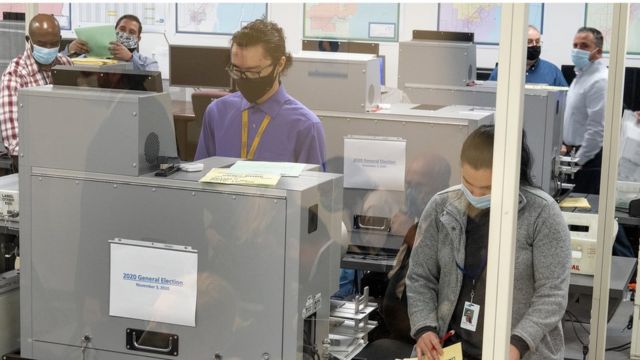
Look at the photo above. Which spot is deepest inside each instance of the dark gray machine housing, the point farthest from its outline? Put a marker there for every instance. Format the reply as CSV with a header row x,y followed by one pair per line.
x,y
267,256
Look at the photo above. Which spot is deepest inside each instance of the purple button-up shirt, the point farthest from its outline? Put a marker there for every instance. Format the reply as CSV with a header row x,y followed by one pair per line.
x,y
295,134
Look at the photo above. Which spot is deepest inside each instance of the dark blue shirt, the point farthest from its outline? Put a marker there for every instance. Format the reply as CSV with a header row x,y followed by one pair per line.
x,y
541,72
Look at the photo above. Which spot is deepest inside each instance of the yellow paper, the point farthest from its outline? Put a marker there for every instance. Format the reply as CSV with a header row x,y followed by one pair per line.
x,y
453,352
582,203
224,176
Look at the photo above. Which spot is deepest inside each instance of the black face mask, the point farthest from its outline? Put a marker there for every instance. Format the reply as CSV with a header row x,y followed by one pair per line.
x,y
533,52
254,89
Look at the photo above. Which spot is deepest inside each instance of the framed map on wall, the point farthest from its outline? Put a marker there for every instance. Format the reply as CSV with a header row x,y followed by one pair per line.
x,y
600,16
351,21
217,18
482,19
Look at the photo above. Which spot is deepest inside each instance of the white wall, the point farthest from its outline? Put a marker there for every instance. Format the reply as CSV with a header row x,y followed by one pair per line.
x,y
561,20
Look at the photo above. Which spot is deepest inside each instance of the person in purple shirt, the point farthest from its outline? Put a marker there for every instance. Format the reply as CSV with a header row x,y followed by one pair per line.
x,y
261,121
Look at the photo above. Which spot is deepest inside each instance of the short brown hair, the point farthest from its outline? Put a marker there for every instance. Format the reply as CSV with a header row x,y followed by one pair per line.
x,y
265,33
132,18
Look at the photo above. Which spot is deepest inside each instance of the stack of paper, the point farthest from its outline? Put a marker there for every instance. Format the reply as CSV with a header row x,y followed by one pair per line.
x,y
225,176
93,61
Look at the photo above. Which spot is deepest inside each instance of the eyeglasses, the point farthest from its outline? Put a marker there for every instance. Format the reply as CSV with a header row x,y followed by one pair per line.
x,y
534,42
239,74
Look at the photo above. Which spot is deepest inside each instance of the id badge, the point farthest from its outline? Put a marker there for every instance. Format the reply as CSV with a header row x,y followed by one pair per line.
x,y
470,316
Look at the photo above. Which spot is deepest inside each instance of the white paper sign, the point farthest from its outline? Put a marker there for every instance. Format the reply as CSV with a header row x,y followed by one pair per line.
x,y
382,30
152,283
376,163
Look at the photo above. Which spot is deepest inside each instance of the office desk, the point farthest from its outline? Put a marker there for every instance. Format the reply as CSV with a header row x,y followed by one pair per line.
x,y
182,116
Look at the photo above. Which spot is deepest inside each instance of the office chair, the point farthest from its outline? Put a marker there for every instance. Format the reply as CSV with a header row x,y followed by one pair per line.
x,y
200,100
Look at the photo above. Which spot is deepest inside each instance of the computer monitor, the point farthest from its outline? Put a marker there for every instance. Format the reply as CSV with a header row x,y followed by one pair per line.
x,y
107,77
199,66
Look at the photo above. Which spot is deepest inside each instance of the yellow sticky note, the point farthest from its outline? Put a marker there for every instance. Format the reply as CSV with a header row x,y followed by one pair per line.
x,y
453,352
582,203
224,176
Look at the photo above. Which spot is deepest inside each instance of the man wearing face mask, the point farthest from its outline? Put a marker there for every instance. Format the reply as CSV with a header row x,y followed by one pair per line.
x,y
32,68
425,176
584,114
539,71
126,48
446,279
261,121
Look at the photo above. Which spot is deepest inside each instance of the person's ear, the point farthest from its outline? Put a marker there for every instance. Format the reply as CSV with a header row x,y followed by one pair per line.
x,y
281,64
27,38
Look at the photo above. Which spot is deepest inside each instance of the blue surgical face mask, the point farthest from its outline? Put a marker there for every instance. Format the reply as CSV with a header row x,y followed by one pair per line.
x,y
43,55
580,58
478,202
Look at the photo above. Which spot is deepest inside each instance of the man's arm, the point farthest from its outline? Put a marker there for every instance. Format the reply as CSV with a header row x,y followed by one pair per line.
x,y
141,62
207,141
560,80
9,86
595,97
494,74
310,147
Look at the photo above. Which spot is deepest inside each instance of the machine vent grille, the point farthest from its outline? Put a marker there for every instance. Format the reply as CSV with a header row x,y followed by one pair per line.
x,y
152,148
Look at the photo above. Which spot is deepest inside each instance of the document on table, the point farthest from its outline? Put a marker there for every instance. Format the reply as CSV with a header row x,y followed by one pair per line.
x,y
267,167
225,176
576,202
453,352
629,164
97,38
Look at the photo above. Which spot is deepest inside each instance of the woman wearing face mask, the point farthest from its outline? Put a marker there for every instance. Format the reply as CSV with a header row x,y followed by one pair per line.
x,y
446,277
261,121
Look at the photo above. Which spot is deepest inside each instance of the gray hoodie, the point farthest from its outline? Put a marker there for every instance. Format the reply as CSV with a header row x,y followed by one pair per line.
x,y
541,277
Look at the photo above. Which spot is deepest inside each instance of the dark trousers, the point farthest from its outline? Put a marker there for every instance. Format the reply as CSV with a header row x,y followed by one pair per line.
x,y
587,179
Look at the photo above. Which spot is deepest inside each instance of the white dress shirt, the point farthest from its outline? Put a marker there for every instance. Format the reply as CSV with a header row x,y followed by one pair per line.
x,y
584,114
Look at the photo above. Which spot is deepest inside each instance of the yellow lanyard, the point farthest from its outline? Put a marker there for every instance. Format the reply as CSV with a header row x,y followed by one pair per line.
x,y
245,135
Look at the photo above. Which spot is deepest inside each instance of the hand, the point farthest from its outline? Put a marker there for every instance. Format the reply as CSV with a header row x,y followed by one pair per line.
x,y
79,47
119,52
637,114
563,150
428,346
400,223
514,354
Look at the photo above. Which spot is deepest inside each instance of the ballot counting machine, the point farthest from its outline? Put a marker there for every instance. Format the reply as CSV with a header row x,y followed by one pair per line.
x,y
369,211
437,58
110,251
326,80
542,122
9,276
